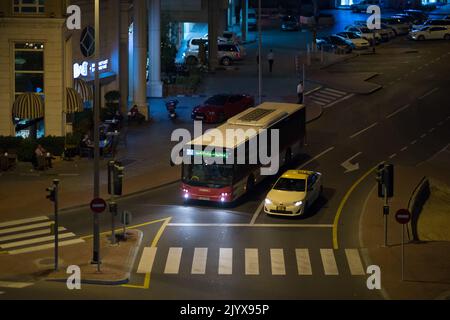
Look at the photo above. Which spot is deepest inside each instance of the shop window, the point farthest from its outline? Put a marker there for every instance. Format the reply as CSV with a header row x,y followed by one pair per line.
x,y
29,68
29,6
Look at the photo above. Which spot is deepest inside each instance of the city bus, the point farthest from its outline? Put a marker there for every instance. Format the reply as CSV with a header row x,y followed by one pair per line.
x,y
226,181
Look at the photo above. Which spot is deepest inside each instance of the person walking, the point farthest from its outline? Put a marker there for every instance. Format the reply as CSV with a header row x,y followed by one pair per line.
x,y
271,59
300,92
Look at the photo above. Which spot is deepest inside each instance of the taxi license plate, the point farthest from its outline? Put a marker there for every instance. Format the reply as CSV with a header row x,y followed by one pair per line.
x,y
204,198
281,208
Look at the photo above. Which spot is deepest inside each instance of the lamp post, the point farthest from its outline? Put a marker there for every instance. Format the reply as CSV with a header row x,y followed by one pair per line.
x,y
96,246
259,54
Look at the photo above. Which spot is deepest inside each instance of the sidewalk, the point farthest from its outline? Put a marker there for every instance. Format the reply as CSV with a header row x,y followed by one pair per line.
x,y
427,264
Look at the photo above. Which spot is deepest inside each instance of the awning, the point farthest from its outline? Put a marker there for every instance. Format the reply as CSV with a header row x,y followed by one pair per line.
x,y
28,106
74,103
83,89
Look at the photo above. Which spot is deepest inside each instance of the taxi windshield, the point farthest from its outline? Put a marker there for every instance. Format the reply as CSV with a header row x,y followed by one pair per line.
x,y
289,184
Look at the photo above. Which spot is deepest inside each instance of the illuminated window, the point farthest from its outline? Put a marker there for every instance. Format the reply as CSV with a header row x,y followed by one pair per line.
x,y
29,6
29,67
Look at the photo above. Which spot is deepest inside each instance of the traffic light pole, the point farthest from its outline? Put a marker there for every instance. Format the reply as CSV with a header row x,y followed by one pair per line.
x,y
385,214
56,225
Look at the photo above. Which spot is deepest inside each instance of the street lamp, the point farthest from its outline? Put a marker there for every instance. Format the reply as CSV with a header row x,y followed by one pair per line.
x,y
259,54
96,246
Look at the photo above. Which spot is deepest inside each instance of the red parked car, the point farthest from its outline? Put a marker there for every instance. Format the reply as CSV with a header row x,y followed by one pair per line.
x,y
221,107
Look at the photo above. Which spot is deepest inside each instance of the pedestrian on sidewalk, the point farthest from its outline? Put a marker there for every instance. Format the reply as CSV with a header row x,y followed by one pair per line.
x,y
300,92
271,59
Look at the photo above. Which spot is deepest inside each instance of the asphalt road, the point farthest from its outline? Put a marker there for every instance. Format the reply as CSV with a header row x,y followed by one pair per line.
x,y
406,122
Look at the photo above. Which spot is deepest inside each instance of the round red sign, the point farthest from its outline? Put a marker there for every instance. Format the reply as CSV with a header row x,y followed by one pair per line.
x,y
98,205
403,216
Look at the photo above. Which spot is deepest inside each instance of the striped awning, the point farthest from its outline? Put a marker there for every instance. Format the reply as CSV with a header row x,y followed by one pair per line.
x,y
83,89
28,106
74,103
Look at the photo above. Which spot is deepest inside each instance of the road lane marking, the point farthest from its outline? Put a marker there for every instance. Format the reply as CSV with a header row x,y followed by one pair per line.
x,y
431,130
428,93
199,261
147,260
29,234
35,240
277,262
154,243
225,261
329,262
330,94
173,261
46,246
340,100
392,156
251,262
14,285
348,166
28,227
334,90
423,135
413,142
22,221
257,212
316,157
303,262
404,149
354,262
440,123
342,204
363,130
398,111
247,225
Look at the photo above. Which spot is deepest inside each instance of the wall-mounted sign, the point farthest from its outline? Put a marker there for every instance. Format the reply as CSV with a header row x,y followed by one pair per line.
x,y
84,69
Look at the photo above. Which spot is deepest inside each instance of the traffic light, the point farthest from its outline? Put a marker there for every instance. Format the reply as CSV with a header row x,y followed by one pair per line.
x,y
118,179
51,193
385,178
111,165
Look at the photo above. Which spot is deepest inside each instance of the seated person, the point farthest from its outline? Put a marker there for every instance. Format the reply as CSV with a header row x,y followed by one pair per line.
x,y
134,114
40,152
86,142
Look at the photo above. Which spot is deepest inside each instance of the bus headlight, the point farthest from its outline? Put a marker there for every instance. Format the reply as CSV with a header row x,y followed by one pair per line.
x,y
268,201
299,203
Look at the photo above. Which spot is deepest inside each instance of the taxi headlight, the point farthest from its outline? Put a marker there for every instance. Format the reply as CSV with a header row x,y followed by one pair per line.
x,y
268,201
298,203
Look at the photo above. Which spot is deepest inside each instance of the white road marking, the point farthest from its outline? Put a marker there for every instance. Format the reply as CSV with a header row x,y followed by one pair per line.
x,y
22,221
332,94
431,130
433,156
277,262
251,262
303,262
226,261
428,93
46,246
147,260
316,157
27,227
363,130
35,240
354,262
423,135
257,212
329,262
316,97
173,261
340,100
199,261
29,234
335,91
398,111
320,103
14,285
440,123
392,156
413,142
247,225
348,166
404,149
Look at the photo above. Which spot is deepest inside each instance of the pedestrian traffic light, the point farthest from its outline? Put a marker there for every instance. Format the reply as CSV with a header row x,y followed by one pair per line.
x,y
380,180
118,179
51,193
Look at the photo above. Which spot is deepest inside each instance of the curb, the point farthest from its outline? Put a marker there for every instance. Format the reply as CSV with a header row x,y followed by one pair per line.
x,y
130,263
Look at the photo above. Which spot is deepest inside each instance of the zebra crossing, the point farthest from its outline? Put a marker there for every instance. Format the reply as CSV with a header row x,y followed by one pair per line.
x,y
31,235
326,97
251,259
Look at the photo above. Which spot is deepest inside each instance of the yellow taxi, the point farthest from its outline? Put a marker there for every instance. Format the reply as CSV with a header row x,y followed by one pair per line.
x,y
293,193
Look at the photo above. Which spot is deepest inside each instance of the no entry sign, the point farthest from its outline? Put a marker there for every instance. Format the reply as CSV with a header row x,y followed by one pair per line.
x,y
98,205
403,216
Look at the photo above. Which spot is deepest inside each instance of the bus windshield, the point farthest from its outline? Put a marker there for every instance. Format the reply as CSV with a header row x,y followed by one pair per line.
x,y
211,176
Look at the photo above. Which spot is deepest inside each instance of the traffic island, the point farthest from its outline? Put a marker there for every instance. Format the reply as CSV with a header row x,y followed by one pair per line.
x,y
116,260
426,263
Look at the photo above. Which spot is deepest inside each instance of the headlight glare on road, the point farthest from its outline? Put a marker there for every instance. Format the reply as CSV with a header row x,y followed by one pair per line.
x,y
268,201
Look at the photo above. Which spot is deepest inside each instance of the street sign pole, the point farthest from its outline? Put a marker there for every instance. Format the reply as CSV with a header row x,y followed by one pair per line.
x,y
56,225
403,216
96,246
403,252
